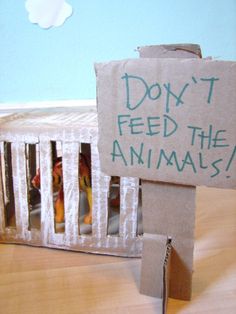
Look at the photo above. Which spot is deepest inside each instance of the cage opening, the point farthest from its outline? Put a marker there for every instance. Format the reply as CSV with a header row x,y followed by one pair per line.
x,y
33,185
113,223
57,186
139,215
7,184
85,189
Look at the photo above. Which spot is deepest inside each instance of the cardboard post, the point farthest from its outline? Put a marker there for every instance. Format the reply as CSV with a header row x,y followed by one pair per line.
x,y
169,209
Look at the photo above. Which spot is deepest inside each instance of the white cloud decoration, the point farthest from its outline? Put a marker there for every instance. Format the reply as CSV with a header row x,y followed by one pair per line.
x,y
48,13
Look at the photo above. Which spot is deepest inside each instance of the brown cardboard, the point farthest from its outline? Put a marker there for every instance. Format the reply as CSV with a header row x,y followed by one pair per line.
x,y
155,267
169,120
170,51
169,210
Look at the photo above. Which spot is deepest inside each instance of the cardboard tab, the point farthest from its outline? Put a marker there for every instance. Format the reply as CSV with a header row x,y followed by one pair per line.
x,y
170,51
155,267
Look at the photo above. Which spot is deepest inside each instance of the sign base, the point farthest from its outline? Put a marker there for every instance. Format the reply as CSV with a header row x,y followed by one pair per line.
x,y
169,212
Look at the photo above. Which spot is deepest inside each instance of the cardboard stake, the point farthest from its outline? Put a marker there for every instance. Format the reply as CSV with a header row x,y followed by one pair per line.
x,y
169,210
162,216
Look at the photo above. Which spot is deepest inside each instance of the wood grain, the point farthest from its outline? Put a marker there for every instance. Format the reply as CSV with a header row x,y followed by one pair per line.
x,y
40,280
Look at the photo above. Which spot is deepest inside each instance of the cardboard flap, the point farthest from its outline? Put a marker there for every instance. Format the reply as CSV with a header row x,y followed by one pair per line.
x,y
155,267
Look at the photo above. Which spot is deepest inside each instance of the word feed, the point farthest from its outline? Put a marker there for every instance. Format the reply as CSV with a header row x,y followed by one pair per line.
x,y
153,141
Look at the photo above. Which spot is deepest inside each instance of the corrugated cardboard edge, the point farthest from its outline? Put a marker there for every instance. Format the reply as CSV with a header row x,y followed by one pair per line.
x,y
166,277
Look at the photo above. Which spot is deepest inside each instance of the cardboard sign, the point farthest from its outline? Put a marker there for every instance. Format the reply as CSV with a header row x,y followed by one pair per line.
x,y
169,120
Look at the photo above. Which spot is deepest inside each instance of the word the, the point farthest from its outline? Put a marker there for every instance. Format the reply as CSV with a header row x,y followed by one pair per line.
x,y
207,139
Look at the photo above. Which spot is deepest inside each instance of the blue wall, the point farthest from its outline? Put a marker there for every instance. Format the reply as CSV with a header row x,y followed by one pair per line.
x,y
38,64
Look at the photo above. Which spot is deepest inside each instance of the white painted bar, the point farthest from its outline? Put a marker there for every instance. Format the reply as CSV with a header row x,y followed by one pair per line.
x,y
47,210
129,193
70,154
20,189
100,187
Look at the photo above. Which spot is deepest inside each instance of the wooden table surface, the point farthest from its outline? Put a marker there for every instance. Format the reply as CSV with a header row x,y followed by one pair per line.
x,y
40,280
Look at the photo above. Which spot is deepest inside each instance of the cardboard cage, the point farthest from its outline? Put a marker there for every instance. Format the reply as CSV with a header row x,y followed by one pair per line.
x,y
30,142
